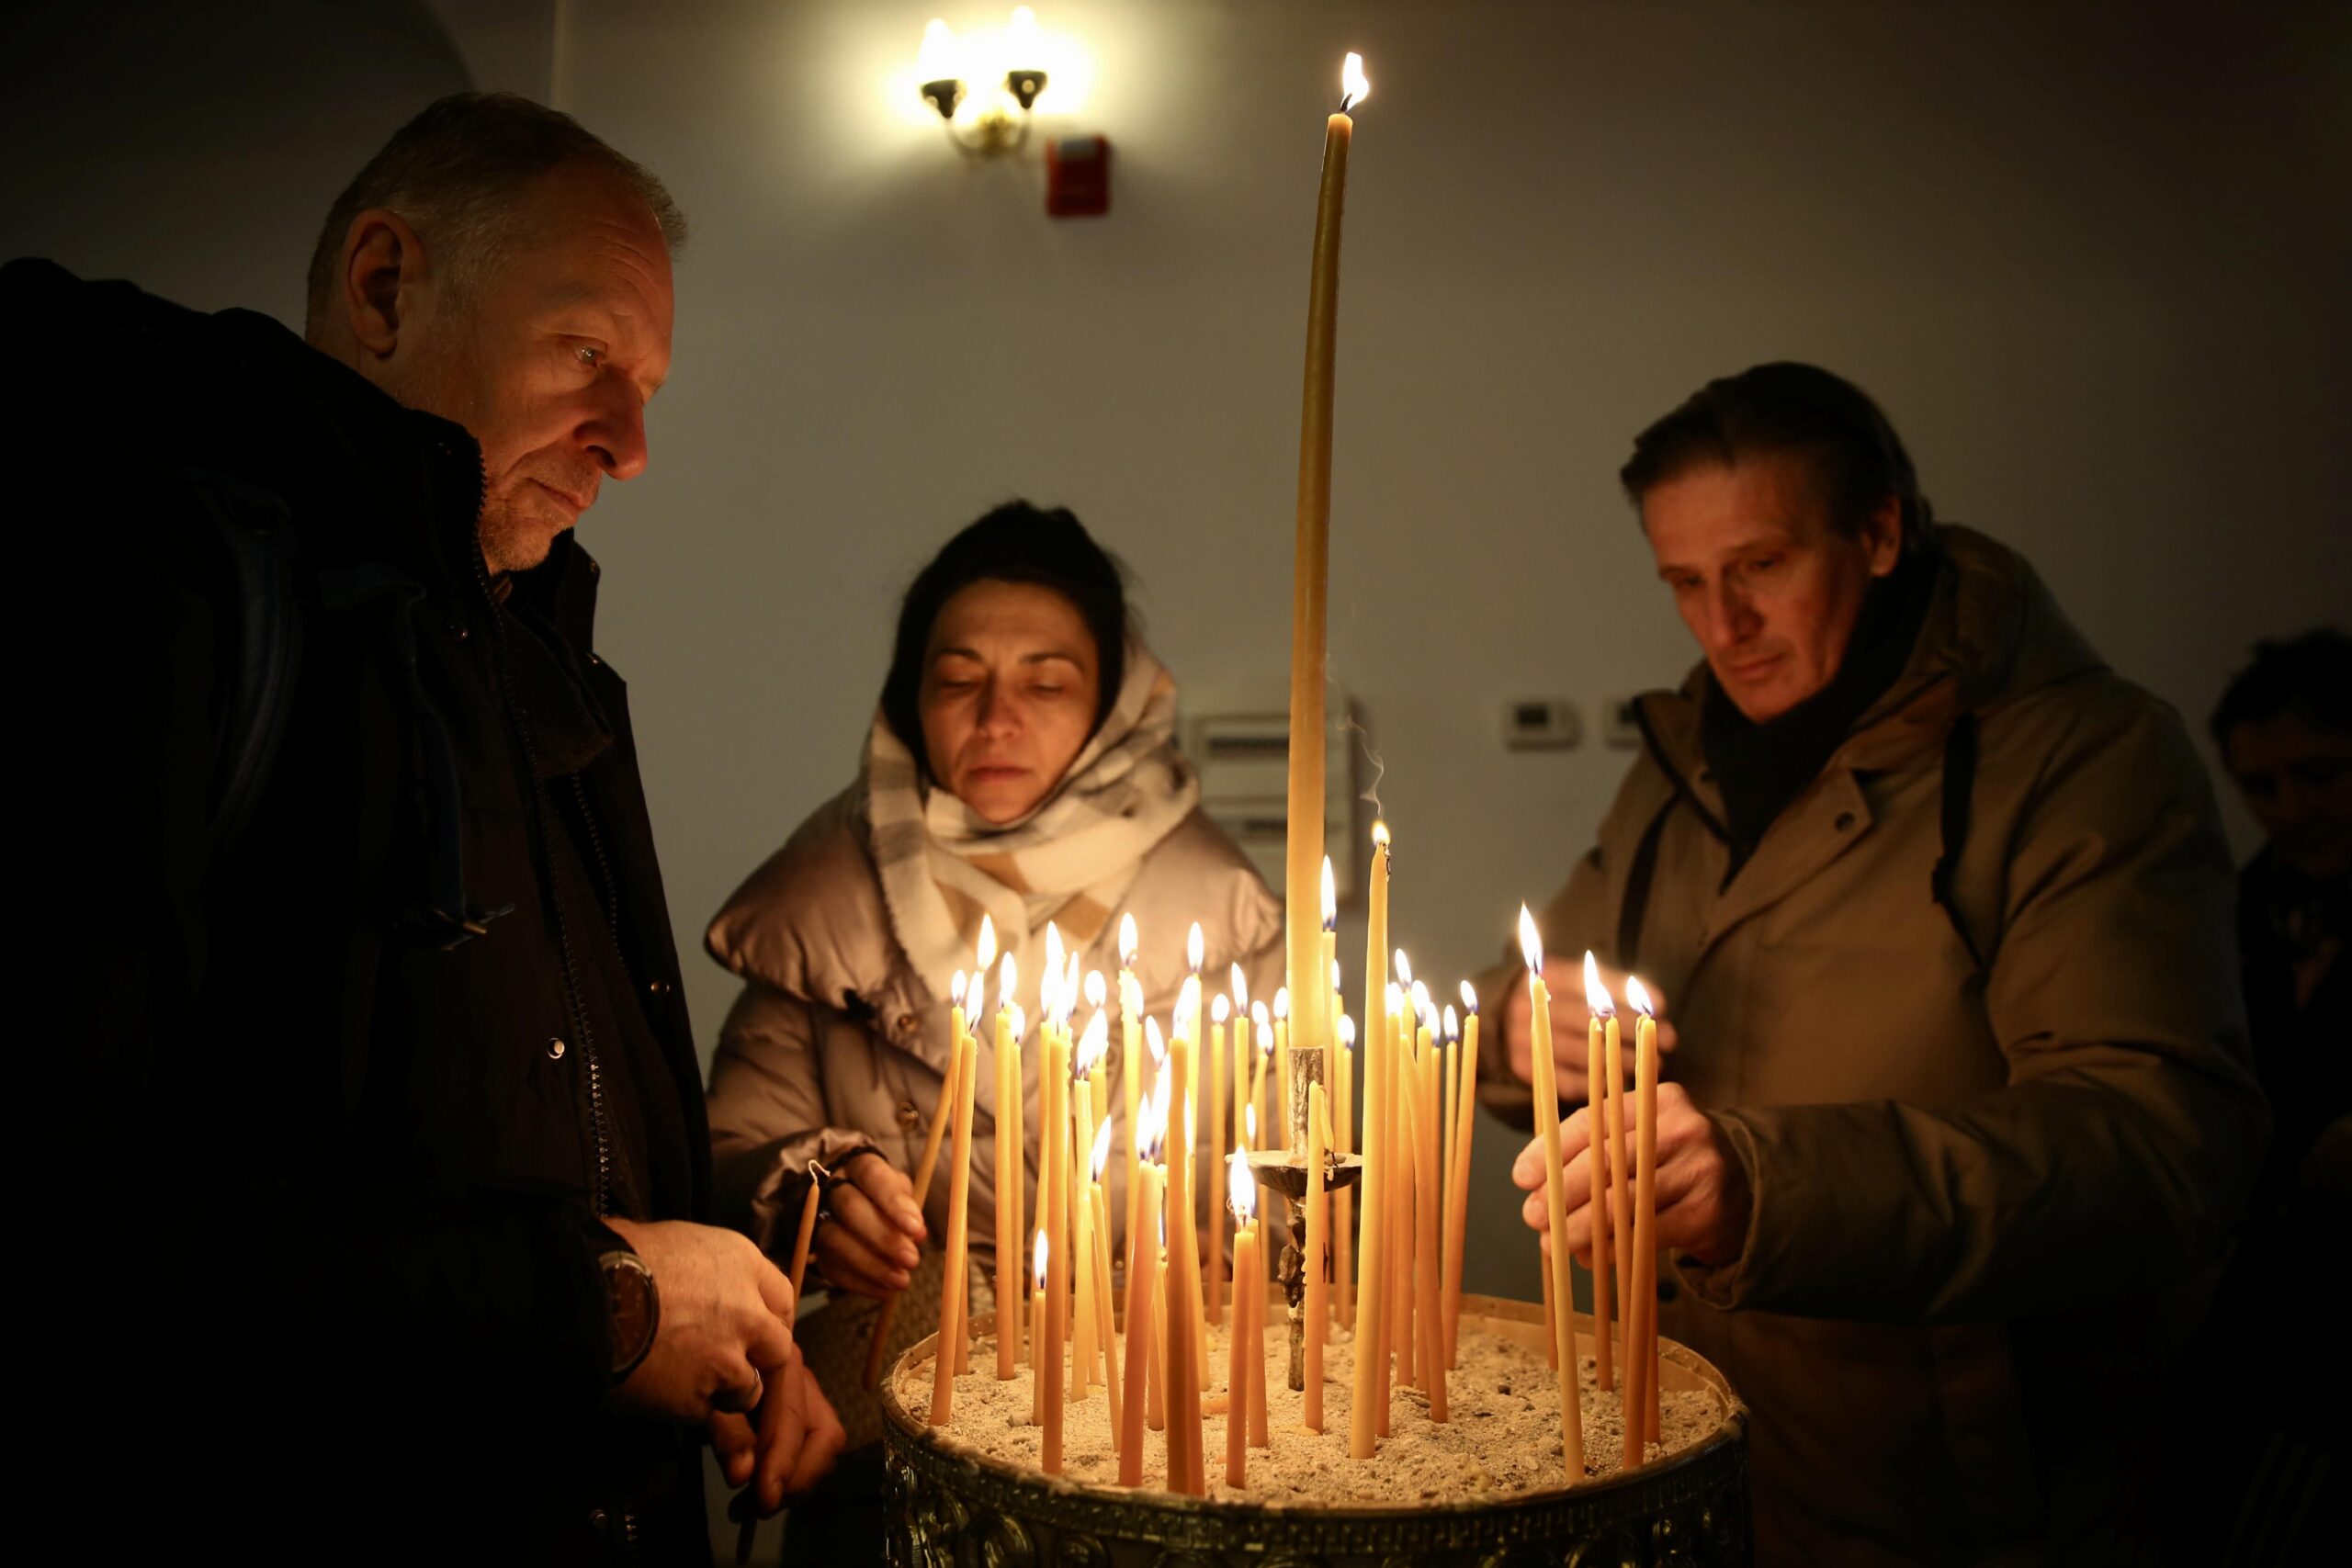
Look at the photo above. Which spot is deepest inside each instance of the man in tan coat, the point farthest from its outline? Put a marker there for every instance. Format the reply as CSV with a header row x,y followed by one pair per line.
x,y
1958,1117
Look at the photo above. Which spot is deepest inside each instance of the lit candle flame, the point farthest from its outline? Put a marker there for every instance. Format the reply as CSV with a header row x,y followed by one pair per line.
x,y
1021,36
1596,995
1347,1032
1151,1124
1404,968
1102,1155
1421,995
1020,1023
1094,1045
1069,989
1395,999
1219,1010
1250,1126
1096,991
1008,980
1188,1008
1530,943
1282,1001
1331,897
1335,976
1453,1023
1156,1041
1354,87
976,997
1040,1254
956,988
1266,1030
986,948
1259,1016
1240,992
1127,944
1638,998
1163,1094
1380,835
1469,1001
1194,948
936,62
1241,1189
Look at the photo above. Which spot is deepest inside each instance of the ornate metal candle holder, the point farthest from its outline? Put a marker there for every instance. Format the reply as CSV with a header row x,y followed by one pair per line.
x,y
1284,1171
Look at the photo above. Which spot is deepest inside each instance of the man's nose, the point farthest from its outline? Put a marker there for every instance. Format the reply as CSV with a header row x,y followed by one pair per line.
x,y
615,434
1731,619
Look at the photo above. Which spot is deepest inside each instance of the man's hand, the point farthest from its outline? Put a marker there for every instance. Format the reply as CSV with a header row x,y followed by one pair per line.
x,y
792,1448
868,1247
724,1327
1703,1193
1565,982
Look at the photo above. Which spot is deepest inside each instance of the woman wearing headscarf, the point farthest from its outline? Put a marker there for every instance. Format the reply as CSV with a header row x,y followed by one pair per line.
x,y
1023,767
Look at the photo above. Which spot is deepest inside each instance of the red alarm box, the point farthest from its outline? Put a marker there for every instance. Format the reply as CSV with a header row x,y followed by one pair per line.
x,y
1078,176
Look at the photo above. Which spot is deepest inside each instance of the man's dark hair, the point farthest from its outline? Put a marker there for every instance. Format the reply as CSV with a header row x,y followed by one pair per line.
x,y
2311,675
1015,543
456,173
1793,410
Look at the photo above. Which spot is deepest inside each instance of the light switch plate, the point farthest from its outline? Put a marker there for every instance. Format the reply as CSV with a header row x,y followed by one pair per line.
x,y
1540,724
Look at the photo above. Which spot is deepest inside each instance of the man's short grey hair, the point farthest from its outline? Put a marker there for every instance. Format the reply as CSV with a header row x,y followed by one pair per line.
x,y
457,173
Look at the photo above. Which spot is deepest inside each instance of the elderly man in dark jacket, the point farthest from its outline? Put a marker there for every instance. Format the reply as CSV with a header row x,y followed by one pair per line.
x,y
370,1155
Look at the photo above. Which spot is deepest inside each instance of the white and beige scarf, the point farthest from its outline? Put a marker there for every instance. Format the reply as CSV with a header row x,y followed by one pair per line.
x,y
1070,861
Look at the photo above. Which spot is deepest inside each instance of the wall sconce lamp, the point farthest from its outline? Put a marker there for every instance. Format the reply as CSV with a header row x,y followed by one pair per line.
x,y
1002,124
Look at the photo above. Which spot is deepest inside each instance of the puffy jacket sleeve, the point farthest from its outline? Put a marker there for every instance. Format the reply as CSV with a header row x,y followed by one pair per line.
x,y
2127,1138
767,1116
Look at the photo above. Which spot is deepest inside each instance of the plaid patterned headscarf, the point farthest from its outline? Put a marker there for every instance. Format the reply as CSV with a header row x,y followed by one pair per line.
x,y
1070,861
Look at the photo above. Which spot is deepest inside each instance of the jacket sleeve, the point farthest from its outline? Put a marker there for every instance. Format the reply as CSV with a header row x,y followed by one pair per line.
x,y
767,1116
2127,1138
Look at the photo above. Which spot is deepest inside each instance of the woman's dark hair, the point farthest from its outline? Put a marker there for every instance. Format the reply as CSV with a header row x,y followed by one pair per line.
x,y
1015,543
2311,675
1795,409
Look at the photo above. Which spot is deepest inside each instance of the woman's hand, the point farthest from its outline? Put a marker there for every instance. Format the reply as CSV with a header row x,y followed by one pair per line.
x,y
1565,982
867,1247
1703,1193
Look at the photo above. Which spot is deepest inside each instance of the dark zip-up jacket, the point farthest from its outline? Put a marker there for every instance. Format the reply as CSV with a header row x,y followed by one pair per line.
x,y
369,1006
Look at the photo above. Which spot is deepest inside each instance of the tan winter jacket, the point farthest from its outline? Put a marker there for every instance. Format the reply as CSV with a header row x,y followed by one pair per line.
x,y
834,1032
1986,1194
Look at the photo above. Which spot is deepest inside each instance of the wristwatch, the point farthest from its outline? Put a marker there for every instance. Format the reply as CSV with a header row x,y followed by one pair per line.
x,y
636,1308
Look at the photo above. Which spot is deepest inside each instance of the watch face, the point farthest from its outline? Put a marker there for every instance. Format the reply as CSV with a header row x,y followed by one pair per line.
x,y
630,1286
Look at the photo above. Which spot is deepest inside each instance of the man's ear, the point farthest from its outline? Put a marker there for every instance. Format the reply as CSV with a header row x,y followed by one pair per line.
x,y
383,281
1883,537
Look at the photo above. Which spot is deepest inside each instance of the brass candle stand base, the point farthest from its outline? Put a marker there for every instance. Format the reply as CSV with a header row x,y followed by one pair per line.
x,y
1284,1171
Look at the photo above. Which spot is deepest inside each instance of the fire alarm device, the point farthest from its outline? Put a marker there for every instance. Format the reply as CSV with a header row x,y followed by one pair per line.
x,y
1078,176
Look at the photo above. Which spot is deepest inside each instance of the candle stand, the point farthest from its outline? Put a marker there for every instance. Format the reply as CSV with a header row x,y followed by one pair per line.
x,y
1284,1171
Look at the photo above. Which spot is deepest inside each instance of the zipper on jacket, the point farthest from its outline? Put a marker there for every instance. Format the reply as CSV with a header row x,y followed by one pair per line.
x,y
539,813
603,863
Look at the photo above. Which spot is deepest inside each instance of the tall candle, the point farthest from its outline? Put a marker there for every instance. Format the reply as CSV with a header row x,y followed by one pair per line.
x,y
1433,1326
1279,1117
1319,1230
1186,1472
1547,1124
1053,1130
1142,1288
1082,1231
1010,1155
1621,1190
1239,1348
1344,1200
1364,1420
799,1269
1037,1332
953,1288
1215,1065
1646,1207
1104,1323
1465,1113
1257,1437
1598,1003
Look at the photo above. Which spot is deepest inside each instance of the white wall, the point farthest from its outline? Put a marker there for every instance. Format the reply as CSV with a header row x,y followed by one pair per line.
x,y
2091,259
